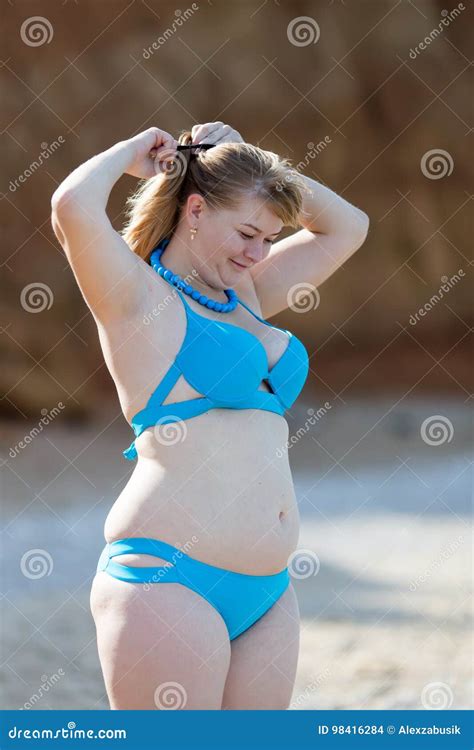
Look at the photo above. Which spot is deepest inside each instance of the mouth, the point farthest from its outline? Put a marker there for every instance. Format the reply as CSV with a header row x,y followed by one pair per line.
x,y
239,265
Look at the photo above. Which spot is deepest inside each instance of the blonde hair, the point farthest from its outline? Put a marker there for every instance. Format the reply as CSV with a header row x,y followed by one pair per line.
x,y
222,175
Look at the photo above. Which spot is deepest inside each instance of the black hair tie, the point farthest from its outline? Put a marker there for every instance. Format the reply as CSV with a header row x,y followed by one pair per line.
x,y
181,147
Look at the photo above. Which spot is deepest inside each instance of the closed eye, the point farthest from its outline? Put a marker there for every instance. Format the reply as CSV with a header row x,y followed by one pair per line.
x,y
251,236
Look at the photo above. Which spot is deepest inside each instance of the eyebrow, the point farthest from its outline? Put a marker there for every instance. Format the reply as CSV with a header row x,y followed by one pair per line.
x,y
260,231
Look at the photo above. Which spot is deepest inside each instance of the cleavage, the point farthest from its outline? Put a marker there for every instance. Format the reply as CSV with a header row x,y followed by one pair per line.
x,y
271,334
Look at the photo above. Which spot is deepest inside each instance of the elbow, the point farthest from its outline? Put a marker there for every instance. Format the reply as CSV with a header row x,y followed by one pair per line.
x,y
63,201
353,224
56,212
360,227
74,205
66,213
358,231
362,221
68,209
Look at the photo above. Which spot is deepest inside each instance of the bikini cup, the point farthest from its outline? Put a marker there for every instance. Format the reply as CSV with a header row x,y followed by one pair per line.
x,y
227,363
220,360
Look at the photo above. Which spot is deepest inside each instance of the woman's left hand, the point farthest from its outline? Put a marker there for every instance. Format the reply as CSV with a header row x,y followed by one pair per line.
x,y
215,132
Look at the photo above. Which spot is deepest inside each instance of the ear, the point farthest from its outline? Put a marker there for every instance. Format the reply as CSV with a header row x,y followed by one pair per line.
x,y
195,206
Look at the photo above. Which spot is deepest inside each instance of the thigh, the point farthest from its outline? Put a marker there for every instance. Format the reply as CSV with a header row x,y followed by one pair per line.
x,y
264,658
163,647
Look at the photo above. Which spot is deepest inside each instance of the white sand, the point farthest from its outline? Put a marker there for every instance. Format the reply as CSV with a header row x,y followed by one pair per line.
x,y
386,620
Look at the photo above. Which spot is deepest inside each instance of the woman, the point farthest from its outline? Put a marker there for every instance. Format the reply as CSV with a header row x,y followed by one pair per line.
x,y
180,301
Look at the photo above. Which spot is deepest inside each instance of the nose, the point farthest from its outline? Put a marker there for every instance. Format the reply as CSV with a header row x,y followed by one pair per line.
x,y
255,250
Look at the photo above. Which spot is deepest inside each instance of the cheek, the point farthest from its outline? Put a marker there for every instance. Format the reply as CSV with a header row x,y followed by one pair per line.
x,y
228,244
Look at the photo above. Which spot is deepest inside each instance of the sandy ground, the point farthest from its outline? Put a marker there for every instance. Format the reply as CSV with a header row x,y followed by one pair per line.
x,y
383,573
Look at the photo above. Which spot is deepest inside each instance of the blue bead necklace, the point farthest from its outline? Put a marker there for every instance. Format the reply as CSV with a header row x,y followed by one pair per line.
x,y
178,282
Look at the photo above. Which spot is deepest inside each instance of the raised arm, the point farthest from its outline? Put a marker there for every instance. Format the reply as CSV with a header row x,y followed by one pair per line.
x,y
109,275
333,230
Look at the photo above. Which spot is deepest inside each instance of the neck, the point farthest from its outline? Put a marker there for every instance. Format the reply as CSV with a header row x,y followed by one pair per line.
x,y
179,258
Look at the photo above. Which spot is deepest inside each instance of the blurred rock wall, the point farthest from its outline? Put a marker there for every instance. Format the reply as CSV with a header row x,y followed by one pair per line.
x,y
380,84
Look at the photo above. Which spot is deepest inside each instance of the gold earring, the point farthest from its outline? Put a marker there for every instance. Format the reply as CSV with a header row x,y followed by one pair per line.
x,y
193,232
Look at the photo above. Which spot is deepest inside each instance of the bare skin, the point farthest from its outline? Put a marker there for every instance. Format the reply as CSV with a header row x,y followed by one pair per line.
x,y
219,485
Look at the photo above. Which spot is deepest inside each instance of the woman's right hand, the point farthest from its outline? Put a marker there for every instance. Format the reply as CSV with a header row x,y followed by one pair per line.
x,y
149,150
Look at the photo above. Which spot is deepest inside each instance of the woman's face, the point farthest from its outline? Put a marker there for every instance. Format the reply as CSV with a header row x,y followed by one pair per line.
x,y
228,241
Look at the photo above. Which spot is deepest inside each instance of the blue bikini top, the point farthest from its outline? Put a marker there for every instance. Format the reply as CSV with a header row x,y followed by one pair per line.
x,y
226,364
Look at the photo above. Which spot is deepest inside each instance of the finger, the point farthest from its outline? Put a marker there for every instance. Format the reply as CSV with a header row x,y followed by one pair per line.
x,y
224,132
226,136
206,130
164,140
206,126
169,143
167,150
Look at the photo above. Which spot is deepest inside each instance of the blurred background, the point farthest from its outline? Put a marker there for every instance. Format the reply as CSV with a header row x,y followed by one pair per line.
x,y
371,98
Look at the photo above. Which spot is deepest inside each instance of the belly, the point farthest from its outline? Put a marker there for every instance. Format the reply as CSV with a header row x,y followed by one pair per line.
x,y
219,486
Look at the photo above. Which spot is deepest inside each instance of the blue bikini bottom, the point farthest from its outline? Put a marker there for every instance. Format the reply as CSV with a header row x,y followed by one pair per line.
x,y
240,599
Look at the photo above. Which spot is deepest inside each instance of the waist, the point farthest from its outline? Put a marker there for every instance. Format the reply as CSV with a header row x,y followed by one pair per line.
x,y
233,498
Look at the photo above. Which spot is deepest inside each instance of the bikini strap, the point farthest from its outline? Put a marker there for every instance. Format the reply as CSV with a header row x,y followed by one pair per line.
x,y
180,293
262,320
183,297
